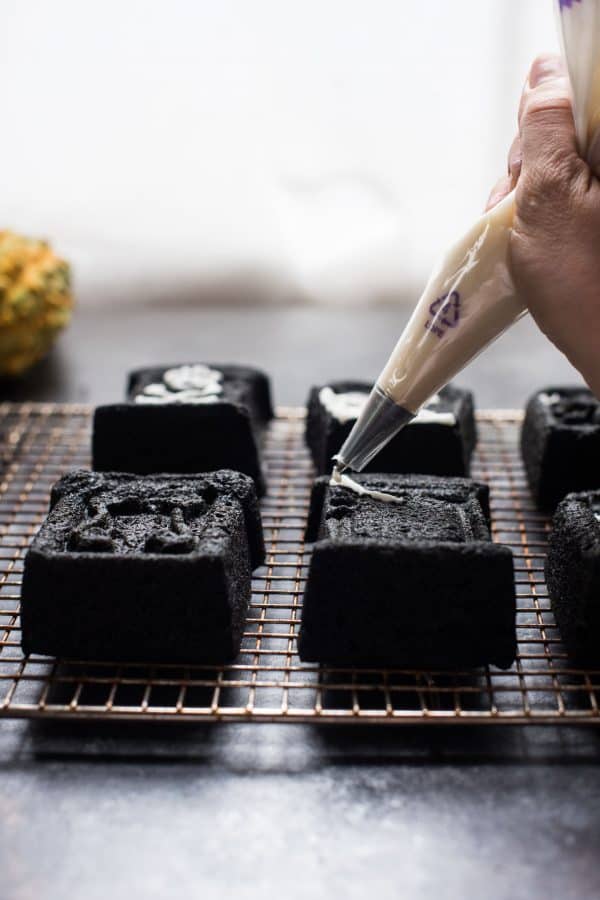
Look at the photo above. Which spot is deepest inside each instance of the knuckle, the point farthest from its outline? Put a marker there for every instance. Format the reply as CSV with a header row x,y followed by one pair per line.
x,y
548,196
547,110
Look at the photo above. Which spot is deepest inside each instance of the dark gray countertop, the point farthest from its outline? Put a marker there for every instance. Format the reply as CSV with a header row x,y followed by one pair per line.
x,y
248,811
299,346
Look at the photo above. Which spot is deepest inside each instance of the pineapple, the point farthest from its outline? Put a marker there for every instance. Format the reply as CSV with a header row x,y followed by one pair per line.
x,y
35,301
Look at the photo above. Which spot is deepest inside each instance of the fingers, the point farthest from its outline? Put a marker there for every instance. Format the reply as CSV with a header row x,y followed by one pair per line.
x,y
501,189
508,182
545,67
515,160
545,150
548,143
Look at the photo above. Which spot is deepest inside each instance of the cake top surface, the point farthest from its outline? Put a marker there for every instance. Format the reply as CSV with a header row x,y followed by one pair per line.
x,y
586,501
577,517
426,509
345,400
570,407
124,515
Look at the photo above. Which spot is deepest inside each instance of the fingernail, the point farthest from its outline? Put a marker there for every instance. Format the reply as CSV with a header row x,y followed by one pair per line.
x,y
515,165
545,69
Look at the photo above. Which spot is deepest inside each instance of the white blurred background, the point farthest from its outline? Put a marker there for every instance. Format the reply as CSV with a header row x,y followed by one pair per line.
x,y
265,150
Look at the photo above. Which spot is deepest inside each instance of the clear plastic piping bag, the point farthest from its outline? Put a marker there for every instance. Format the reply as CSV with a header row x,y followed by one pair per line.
x,y
470,299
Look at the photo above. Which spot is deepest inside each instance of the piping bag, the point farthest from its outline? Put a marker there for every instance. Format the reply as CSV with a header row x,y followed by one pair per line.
x,y
470,299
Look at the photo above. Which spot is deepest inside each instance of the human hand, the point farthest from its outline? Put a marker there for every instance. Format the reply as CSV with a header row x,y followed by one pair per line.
x,y
555,243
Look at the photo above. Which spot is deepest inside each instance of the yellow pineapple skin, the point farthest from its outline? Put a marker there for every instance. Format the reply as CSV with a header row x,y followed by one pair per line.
x,y
35,301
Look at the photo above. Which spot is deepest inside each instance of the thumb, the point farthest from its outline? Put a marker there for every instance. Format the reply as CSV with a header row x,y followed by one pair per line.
x,y
546,126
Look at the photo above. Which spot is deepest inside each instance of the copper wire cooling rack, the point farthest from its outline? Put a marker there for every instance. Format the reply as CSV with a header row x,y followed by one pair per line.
x,y
268,683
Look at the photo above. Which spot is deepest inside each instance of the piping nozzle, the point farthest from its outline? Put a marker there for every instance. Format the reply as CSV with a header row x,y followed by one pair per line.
x,y
380,420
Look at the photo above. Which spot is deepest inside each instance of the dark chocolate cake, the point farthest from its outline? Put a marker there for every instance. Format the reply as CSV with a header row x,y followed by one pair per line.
x,y
186,419
151,569
560,443
573,574
439,442
410,584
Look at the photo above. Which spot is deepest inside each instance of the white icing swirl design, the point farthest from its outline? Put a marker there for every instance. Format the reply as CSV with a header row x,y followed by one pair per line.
x,y
185,384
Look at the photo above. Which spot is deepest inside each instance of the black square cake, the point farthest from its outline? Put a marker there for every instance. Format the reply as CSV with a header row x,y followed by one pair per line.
x,y
150,569
414,582
560,443
440,441
573,574
186,419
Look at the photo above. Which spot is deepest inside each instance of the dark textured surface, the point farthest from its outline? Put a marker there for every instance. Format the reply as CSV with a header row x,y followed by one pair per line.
x,y
183,438
573,575
168,558
411,584
306,813
560,444
89,812
427,447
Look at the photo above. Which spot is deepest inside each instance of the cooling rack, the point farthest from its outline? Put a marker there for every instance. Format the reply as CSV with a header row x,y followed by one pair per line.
x,y
267,682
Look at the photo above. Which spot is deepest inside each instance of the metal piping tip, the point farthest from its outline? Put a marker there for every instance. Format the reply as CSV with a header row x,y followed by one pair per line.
x,y
339,465
379,421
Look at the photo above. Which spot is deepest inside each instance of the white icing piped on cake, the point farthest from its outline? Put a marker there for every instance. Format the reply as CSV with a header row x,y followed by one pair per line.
x,y
341,480
166,397
194,378
346,407
197,384
549,399
427,416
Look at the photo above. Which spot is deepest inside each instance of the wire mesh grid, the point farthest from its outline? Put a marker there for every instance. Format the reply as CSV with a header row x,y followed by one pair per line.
x,y
267,682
